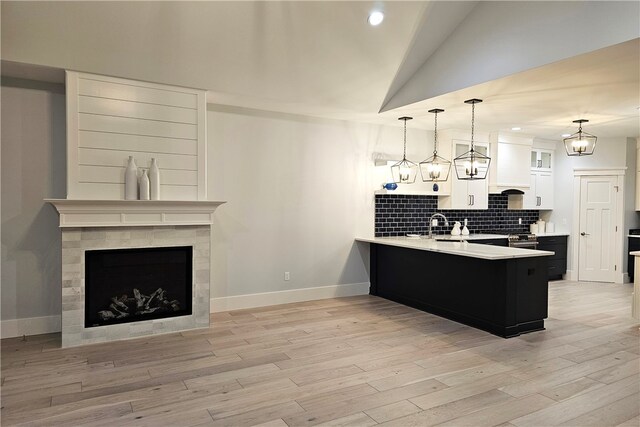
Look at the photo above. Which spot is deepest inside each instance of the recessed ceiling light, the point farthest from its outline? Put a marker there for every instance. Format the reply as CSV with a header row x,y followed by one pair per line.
x,y
566,135
375,18
516,128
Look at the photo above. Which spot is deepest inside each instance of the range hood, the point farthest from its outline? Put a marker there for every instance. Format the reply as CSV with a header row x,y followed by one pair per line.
x,y
512,192
510,163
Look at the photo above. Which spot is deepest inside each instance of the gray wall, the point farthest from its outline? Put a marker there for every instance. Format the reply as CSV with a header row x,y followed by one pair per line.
x,y
33,168
299,189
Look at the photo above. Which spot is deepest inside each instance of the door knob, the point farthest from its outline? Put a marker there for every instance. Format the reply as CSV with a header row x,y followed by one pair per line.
x,y
585,234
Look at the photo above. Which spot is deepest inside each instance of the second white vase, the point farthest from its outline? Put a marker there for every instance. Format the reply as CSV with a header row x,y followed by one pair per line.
x,y
154,180
144,186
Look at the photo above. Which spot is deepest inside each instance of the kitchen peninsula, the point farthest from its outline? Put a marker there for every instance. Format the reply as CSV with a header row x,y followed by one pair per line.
x,y
498,289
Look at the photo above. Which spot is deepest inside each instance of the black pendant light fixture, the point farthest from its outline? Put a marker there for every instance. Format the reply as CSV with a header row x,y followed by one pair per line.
x,y
472,165
580,143
435,168
405,171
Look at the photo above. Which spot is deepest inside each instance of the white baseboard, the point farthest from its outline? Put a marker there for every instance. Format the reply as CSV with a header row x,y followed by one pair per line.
x,y
284,297
570,275
30,326
47,324
619,277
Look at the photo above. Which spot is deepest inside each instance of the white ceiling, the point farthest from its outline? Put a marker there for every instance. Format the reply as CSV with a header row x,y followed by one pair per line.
x,y
317,58
602,86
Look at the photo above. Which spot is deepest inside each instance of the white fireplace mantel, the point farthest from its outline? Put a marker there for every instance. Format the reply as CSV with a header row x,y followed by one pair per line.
x,y
124,213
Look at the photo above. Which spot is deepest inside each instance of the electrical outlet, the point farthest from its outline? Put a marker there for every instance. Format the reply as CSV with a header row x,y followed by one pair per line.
x,y
466,222
520,221
287,276
564,221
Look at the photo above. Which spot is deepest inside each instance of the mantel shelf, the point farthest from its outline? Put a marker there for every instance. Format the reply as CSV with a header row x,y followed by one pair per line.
x,y
129,213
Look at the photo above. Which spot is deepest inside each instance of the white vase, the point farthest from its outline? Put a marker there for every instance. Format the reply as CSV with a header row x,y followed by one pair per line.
x,y
144,185
131,180
154,180
455,231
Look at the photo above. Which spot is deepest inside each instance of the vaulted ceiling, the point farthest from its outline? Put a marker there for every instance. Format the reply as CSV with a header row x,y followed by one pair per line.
x,y
323,59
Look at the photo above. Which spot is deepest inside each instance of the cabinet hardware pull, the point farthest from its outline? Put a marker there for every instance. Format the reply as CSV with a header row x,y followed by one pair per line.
x,y
585,234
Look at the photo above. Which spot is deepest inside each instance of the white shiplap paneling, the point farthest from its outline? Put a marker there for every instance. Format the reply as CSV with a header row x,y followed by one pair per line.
x,y
110,119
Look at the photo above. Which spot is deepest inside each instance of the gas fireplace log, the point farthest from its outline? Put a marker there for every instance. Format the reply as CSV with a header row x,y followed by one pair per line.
x,y
120,314
148,311
124,306
151,298
106,315
119,303
140,298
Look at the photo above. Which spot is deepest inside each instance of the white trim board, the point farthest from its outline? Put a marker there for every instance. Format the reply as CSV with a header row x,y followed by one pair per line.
x,y
30,326
239,302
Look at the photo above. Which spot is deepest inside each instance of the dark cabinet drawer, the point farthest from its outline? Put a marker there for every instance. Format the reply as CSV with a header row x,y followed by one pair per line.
x,y
557,266
558,261
560,251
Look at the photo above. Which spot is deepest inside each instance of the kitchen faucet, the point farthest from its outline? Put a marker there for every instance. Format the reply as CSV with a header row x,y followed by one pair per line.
x,y
446,222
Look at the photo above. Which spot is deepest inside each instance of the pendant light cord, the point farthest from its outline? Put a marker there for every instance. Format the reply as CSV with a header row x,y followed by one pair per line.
x,y
473,120
435,136
404,154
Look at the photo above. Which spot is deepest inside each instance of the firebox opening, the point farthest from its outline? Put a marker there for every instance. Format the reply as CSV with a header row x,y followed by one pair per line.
x,y
131,285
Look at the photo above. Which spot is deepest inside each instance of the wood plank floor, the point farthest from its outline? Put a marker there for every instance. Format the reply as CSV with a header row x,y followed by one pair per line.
x,y
358,361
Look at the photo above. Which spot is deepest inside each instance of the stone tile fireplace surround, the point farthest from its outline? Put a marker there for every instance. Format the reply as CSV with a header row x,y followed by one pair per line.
x,y
95,225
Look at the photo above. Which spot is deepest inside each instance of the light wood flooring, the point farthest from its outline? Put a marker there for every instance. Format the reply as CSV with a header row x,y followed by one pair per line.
x,y
356,361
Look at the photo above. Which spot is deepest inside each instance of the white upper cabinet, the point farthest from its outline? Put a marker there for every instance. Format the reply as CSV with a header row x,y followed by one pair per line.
x,y
510,159
464,194
540,194
544,190
541,159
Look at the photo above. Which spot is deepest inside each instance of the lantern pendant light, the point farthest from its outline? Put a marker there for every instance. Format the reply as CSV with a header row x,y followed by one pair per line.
x,y
472,165
405,171
435,168
580,143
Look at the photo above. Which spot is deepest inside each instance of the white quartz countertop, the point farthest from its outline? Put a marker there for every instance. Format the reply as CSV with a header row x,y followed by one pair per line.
x,y
555,233
635,253
634,236
461,248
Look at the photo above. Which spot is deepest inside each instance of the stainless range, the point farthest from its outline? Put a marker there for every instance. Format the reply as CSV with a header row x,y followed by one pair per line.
x,y
523,240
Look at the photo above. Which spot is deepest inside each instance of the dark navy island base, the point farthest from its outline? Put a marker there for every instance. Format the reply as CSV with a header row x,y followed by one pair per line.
x,y
506,297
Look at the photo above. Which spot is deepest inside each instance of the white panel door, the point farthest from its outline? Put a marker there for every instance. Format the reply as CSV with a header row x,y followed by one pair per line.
x,y
597,228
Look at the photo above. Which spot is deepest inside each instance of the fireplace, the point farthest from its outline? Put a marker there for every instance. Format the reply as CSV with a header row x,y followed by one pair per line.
x,y
131,285
104,228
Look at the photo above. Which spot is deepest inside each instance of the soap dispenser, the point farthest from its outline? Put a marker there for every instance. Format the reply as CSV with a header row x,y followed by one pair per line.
x,y
455,231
